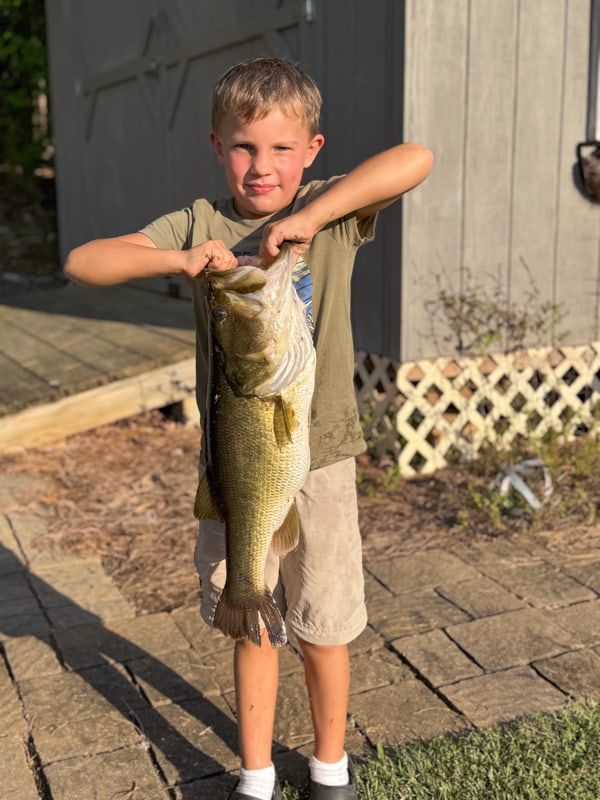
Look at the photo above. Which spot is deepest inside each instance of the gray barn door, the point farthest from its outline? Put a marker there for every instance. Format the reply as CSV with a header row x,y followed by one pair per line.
x,y
131,83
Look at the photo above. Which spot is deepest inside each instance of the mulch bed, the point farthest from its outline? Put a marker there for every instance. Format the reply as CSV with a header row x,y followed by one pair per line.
x,y
125,492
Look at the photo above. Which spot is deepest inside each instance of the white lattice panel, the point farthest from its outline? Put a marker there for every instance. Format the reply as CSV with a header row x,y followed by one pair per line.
x,y
438,408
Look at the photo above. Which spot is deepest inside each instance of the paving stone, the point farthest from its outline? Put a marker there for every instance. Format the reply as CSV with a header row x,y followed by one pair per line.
x,y
402,713
378,668
17,489
293,723
18,782
422,570
88,645
203,638
480,597
511,639
192,739
121,640
82,585
9,563
587,573
73,696
17,625
436,657
374,590
12,721
69,615
85,737
28,528
539,583
414,613
11,557
173,677
503,696
155,633
500,550
32,657
367,641
581,619
126,773
218,788
577,674
114,683
16,595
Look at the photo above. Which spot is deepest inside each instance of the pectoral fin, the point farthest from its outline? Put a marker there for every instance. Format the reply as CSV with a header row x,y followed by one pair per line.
x,y
204,505
284,421
286,538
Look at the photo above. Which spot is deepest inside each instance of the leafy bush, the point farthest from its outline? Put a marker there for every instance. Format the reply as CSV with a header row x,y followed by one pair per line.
x,y
24,134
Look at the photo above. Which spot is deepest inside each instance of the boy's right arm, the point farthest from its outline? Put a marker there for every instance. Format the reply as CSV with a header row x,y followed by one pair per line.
x,y
104,262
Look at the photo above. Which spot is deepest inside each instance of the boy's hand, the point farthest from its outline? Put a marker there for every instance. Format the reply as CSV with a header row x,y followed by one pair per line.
x,y
297,228
212,254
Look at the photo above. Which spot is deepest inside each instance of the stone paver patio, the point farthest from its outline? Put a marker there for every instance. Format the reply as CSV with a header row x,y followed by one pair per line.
x,y
98,703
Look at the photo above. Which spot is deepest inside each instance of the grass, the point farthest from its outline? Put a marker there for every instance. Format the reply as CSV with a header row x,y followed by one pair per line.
x,y
545,757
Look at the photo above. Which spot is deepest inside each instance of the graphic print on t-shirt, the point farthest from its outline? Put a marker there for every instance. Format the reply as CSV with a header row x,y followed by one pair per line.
x,y
302,280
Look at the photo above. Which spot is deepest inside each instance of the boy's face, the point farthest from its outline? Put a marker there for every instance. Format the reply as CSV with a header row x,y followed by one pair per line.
x,y
264,160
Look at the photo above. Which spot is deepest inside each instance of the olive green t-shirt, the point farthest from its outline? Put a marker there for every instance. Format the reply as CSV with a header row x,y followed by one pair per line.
x,y
335,428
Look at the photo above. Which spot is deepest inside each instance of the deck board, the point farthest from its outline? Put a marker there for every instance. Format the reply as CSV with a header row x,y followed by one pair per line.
x,y
63,343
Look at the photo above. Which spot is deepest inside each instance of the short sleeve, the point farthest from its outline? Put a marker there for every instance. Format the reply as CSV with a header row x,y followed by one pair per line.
x,y
172,231
347,228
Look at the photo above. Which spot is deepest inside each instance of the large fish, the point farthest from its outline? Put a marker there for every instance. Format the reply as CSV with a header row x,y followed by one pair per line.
x,y
261,380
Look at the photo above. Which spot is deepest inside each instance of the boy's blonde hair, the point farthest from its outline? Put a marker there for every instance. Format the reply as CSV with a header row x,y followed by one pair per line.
x,y
252,89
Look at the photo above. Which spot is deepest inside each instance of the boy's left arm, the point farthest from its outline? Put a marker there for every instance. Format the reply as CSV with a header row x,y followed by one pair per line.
x,y
369,187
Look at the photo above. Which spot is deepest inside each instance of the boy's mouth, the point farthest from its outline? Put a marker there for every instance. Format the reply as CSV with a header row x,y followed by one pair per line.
x,y
261,188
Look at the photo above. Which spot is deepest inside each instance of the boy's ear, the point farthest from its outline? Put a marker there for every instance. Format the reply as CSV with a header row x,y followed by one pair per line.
x,y
217,146
315,145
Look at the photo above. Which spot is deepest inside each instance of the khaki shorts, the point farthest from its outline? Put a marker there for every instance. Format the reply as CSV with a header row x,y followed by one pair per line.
x,y
319,586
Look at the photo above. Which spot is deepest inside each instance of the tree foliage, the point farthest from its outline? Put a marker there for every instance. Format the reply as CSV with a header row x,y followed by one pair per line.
x,y
23,76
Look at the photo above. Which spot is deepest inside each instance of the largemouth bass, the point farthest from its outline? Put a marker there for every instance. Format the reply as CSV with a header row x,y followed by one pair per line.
x,y
261,380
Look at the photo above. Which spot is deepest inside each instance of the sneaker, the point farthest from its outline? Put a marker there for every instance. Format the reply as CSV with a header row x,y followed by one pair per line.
x,y
277,794
348,792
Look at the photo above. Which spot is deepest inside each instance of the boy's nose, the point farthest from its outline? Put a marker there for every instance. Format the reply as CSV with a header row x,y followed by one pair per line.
x,y
261,164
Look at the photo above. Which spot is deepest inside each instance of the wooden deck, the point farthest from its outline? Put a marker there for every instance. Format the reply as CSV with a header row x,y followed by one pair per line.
x,y
73,358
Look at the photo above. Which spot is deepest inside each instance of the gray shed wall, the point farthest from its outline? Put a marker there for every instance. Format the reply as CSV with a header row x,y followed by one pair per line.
x,y
498,90
132,82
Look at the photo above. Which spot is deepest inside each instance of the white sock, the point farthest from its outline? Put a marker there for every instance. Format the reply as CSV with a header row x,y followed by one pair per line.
x,y
329,774
257,783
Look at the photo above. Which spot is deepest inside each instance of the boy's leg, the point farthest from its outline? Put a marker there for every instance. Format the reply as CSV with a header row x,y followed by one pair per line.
x,y
327,672
324,592
256,672
255,668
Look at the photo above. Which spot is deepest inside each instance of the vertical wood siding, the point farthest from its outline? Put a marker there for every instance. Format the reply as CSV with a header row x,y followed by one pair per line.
x,y
361,75
499,92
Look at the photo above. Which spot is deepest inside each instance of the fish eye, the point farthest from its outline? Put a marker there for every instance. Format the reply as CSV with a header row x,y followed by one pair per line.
x,y
219,314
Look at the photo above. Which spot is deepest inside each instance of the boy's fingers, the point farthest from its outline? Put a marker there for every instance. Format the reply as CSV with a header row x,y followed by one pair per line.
x,y
269,249
222,260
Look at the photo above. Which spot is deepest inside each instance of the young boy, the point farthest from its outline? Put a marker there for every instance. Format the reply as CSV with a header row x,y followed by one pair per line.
x,y
265,132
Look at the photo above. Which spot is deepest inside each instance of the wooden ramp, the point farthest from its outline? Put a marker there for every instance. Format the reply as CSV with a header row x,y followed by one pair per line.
x,y
73,358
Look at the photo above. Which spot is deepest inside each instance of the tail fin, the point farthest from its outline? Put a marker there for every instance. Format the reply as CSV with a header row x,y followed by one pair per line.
x,y
243,621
